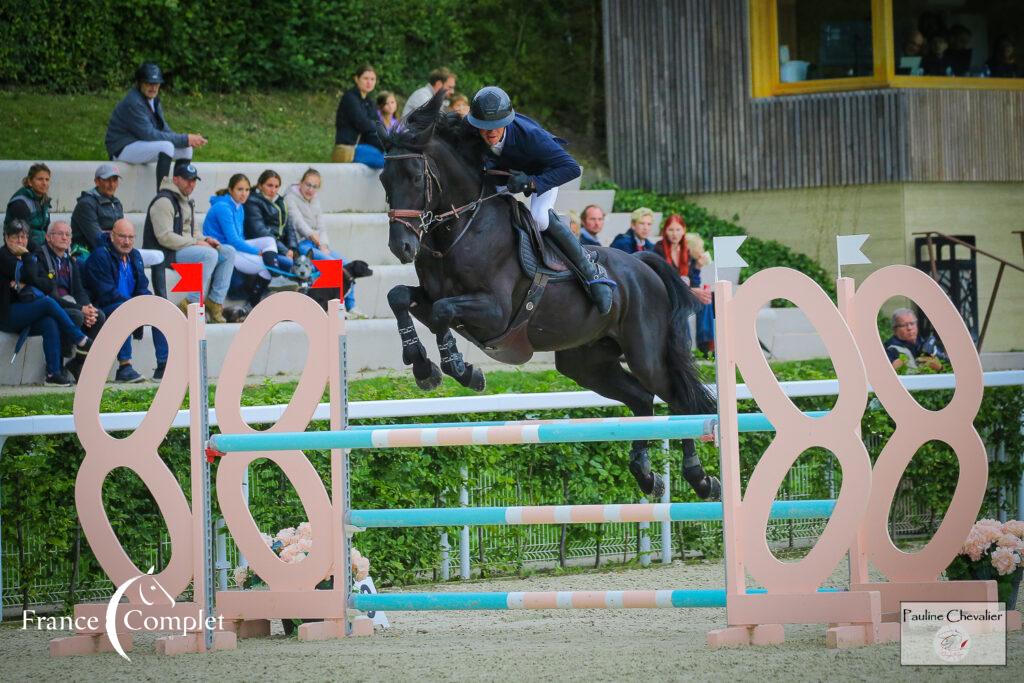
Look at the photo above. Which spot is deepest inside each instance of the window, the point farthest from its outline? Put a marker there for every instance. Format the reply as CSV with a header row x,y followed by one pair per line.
x,y
803,46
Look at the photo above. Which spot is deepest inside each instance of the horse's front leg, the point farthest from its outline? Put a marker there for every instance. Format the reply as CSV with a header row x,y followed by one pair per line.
x,y
478,310
403,300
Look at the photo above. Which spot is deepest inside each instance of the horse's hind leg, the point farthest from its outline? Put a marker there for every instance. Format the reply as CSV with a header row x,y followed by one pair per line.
x,y
402,299
597,368
452,363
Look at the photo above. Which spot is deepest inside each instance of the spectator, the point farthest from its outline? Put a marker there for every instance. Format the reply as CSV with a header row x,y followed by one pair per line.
x,y
672,246
574,222
32,203
593,222
95,213
225,222
306,216
459,105
64,283
114,274
914,44
438,78
171,227
1003,62
267,216
387,106
935,62
355,128
23,305
138,132
905,347
635,238
706,316
959,54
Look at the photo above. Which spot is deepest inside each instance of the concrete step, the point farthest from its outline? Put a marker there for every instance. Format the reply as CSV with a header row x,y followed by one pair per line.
x,y
345,187
373,345
789,335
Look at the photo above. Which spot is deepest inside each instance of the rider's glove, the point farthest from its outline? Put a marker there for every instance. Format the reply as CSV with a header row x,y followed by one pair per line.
x,y
520,182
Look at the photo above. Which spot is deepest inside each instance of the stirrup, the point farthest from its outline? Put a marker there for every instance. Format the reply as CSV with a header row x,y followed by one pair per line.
x,y
604,281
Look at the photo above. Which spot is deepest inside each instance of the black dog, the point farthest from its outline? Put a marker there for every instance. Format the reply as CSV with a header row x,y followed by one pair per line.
x,y
351,271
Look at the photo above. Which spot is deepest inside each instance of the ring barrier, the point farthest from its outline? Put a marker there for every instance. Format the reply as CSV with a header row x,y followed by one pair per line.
x,y
792,592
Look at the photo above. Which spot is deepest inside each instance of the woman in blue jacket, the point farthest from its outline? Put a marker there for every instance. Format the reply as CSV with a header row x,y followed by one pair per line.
x,y
225,222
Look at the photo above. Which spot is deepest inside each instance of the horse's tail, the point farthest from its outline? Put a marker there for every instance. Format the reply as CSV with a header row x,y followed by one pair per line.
x,y
690,392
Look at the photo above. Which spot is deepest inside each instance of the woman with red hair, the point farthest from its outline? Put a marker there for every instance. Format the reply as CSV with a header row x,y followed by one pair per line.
x,y
672,247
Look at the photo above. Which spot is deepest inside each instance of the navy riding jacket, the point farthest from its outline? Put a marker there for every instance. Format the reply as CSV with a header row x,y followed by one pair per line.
x,y
536,152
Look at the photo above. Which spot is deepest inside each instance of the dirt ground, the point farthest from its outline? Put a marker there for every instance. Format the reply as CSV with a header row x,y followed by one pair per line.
x,y
555,645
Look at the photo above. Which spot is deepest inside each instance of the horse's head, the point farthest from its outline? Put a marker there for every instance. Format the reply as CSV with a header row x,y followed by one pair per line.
x,y
422,178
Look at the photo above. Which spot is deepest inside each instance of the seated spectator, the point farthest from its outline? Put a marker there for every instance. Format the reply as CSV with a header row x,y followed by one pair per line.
x,y
32,203
574,222
438,78
306,216
1003,62
592,220
387,106
959,54
699,258
635,238
114,274
266,215
138,133
905,347
95,213
935,62
909,62
225,222
171,227
23,305
65,285
672,246
355,128
460,105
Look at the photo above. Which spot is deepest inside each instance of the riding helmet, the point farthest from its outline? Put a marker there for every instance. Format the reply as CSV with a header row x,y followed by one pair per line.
x,y
491,108
149,72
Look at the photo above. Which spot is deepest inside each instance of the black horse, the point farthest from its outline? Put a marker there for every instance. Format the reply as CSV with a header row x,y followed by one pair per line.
x,y
460,234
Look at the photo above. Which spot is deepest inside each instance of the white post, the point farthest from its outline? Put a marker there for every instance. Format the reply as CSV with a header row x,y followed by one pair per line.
x,y
464,534
666,497
446,559
222,565
645,541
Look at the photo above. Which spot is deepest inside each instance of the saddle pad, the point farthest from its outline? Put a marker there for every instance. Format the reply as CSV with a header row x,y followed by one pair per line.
x,y
529,261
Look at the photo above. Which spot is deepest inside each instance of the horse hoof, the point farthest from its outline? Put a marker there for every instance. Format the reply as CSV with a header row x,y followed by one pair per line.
x,y
710,489
477,382
431,381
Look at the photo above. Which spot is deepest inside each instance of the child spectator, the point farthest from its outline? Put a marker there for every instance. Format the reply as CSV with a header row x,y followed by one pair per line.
x,y
635,238
23,305
267,216
171,228
306,215
699,258
459,105
64,283
225,222
387,106
574,222
114,274
32,203
355,128
438,78
138,133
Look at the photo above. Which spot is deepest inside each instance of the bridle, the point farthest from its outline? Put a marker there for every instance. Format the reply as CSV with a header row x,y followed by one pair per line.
x,y
427,220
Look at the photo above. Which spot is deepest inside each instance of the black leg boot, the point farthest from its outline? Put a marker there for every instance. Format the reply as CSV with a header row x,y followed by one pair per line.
x,y
163,168
599,288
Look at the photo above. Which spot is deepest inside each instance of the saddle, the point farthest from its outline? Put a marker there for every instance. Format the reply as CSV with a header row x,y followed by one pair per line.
x,y
537,253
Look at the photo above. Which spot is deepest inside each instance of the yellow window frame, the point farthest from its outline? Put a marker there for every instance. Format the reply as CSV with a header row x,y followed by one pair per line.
x,y
764,60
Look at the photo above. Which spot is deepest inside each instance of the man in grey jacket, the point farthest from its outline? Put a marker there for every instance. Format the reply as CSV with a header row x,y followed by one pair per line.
x,y
439,78
171,226
138,133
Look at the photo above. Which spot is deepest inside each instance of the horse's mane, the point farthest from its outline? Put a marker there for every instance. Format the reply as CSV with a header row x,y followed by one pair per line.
x,y
427,122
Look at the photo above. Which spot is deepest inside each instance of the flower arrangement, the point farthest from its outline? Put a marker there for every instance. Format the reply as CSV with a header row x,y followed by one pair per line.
x,y
993,551
292,545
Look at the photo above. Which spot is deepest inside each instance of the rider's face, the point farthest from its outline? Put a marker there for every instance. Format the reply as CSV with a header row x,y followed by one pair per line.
x,y
492,137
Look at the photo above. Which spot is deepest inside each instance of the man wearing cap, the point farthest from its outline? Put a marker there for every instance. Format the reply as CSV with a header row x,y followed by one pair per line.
x,y
171,227
138,133
537,164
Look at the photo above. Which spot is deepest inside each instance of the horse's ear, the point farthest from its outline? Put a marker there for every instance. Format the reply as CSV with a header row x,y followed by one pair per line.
x,y
437,101
384,135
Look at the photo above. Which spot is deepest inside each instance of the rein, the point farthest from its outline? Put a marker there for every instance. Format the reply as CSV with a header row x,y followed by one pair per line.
x,y
427,219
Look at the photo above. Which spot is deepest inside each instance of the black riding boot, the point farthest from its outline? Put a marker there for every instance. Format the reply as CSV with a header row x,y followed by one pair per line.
x,y
259,288
599,288
163,168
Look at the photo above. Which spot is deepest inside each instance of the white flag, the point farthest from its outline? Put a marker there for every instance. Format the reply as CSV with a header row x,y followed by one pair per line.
x,y
727,252
849,249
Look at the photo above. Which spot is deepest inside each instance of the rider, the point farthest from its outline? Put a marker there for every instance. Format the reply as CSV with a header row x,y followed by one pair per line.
x,y
517,142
